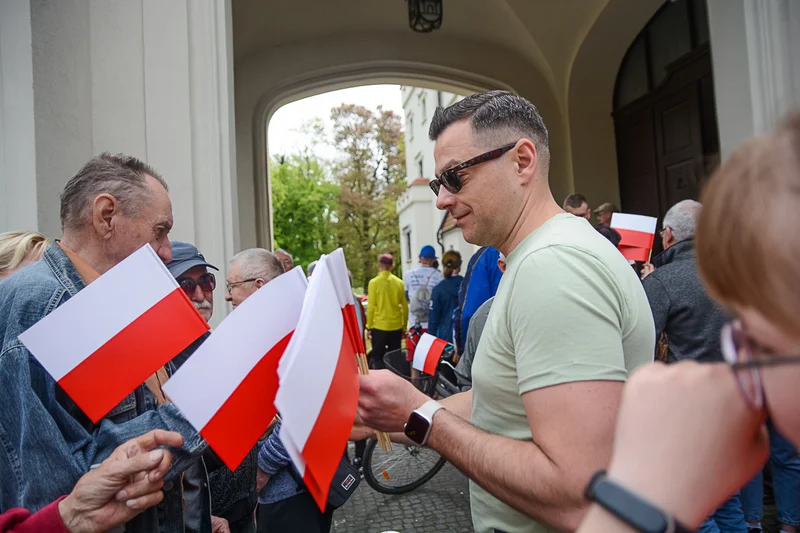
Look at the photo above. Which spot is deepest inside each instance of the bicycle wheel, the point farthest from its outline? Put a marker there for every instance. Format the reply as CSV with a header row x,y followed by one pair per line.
x,y
402,469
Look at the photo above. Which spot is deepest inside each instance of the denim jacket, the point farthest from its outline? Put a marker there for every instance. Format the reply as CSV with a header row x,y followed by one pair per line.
x,y
46,442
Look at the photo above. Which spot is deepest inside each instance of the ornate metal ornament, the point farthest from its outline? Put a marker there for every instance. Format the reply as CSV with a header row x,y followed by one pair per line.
x,y
425,15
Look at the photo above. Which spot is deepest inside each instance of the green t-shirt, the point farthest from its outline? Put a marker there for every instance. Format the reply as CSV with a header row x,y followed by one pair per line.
x,y
569,308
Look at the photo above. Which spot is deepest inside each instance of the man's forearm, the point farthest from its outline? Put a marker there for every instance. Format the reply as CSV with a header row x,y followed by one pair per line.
x,y
459,404
516,472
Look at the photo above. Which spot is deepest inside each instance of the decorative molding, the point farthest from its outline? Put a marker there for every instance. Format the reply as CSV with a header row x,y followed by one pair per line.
x,y
317,82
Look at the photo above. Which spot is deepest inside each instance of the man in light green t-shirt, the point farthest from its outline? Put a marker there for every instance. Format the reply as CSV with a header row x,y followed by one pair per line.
x,y
570,321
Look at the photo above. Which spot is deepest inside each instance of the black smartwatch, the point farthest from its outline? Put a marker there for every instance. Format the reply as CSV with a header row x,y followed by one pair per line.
x,y
630,508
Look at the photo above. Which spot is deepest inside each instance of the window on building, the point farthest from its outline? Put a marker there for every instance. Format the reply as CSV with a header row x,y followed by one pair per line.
x,y
423,108
410,123
421,167
407,241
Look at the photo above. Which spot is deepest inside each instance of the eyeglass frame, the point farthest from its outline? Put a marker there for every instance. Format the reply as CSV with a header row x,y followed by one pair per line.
x,y
739,367
452,173
196,283
230,285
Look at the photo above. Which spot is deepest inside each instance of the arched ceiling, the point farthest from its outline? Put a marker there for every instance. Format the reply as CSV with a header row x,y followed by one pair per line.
x,y
547,33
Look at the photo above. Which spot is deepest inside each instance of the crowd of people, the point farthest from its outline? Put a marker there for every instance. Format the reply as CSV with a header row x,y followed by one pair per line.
x,y
563,423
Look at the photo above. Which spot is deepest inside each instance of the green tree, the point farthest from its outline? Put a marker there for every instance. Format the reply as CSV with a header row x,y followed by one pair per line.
x,y
371,176
304,202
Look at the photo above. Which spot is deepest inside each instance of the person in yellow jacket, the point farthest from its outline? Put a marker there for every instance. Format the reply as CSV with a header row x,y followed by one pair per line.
x,y
387,311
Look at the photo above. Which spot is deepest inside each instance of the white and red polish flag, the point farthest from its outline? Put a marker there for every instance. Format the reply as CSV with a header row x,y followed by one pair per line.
x,y
111,336
638,233
428,352
227,388
318,393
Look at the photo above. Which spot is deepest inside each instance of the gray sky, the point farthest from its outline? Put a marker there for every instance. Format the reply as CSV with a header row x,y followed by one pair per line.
x,y
283,135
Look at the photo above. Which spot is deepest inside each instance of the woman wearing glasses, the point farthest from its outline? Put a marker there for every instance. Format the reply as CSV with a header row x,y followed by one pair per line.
x,y
690,435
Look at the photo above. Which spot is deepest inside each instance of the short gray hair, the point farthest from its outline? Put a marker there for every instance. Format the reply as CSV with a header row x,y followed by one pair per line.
x,y
284,252
682,219
258,263
122,176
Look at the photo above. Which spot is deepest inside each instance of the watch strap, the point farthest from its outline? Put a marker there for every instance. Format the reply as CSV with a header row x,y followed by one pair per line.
x,y
630,507
429,408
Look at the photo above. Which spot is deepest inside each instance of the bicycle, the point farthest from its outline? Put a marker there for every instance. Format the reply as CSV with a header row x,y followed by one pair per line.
x,y
405,468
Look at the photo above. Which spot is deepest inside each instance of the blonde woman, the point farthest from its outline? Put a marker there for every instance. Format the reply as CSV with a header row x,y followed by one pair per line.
x,y
19,249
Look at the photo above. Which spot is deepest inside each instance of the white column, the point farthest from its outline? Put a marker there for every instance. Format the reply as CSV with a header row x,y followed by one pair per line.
x,y
18,206
755,46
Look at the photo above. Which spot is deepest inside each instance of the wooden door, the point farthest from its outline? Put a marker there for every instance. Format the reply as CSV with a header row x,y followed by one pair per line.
x,y
679,147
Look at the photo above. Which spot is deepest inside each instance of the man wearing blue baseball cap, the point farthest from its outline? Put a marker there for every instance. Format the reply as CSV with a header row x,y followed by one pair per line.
x,y
190,268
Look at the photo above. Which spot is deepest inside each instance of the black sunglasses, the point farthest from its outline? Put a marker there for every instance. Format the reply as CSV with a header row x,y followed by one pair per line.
x,y
207,283
450,179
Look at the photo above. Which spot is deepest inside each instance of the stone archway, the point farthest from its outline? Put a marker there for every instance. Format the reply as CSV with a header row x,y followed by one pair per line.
x,y
375,73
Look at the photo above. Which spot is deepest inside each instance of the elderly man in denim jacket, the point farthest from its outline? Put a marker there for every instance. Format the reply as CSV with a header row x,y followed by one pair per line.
x,y
109,209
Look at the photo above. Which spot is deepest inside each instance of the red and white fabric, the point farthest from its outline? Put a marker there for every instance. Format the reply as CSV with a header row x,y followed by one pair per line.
x,y
227,388
428,352
318,393
638,235
110,337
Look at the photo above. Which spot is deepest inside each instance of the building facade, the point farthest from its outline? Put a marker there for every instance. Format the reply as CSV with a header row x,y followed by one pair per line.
x,y
421,222
190,85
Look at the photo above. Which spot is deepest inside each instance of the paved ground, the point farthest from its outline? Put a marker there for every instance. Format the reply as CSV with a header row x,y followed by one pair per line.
x,y
441,505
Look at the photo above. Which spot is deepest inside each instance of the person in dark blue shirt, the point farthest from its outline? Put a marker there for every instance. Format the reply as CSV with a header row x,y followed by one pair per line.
x,y
445,298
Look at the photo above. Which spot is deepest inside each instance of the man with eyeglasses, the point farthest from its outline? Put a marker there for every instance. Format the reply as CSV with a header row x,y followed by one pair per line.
x,y
190,269
249,271
692,321
285,258
569,323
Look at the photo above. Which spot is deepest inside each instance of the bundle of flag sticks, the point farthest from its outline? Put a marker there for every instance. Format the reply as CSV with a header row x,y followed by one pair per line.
x,y
363,368
357,339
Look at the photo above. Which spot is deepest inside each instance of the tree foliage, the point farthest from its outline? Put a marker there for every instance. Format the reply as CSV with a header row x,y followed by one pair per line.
x,y
349,202
305,201
371,176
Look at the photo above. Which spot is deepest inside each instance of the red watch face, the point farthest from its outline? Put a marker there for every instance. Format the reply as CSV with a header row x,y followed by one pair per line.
x,y
417,428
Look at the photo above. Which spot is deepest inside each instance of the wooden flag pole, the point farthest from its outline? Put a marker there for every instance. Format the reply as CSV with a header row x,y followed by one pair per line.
x,y
363,369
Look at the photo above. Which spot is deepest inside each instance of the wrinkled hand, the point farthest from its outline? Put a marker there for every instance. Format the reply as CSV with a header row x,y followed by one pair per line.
x,y
219,525
685,438
386,400
125,484
262,478
647,269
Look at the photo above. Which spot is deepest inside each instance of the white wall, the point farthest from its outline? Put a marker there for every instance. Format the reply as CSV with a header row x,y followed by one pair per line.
x,y
755,49
18,202
414,210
